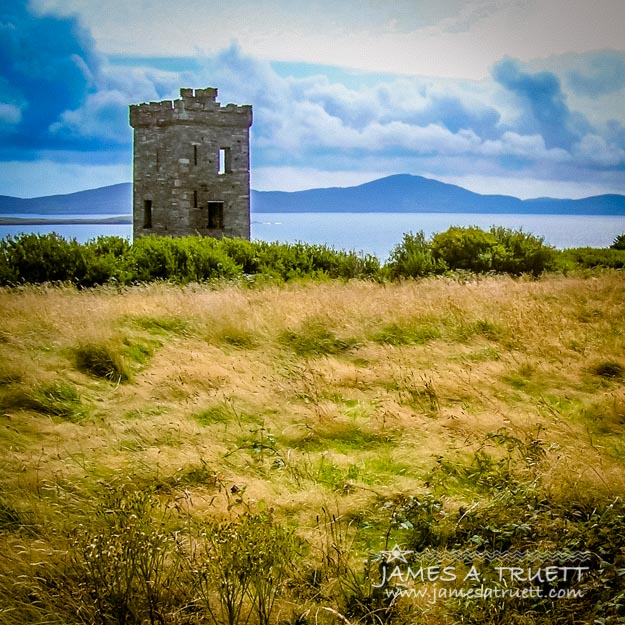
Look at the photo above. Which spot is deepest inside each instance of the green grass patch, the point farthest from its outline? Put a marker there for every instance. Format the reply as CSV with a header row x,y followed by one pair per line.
x,y
313,338
11,519
138,352
465,331
398,334
340,437
484,354
238,338
214,414
162,325
335,477
418,392
522,379
190,476
7,378
56,399
605,415
101,361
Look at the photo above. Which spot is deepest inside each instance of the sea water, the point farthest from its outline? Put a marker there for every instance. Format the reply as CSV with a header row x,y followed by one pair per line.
x,y
378,233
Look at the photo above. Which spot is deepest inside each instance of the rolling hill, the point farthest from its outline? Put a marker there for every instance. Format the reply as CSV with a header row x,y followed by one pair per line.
x,y
112,200
400,193
414,194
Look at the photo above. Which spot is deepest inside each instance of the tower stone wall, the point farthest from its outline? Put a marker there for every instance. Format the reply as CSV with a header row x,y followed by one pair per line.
x,y
191,166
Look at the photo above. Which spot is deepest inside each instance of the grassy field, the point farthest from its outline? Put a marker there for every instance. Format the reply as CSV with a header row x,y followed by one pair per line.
x,y
227,455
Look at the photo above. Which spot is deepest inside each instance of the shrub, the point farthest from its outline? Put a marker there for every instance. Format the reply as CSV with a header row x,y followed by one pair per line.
x,y
201,259
412,258
590,258
521,253
469,248
244,565
37,258
105,260
619,242
244,253
501,250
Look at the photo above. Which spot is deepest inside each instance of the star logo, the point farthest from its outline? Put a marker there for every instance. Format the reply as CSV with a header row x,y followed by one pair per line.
x,y
396,554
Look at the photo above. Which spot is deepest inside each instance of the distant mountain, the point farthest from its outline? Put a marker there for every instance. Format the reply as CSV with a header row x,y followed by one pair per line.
x,y
402,193
414,194
113,200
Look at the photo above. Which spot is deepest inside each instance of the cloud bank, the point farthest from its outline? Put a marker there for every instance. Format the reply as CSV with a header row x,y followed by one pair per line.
x,y
64,102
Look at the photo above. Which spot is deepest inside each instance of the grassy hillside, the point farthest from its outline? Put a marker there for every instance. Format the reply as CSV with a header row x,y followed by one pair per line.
x,y
191,454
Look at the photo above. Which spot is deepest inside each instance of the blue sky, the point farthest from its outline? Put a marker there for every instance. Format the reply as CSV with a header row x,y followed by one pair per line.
x,y
523,97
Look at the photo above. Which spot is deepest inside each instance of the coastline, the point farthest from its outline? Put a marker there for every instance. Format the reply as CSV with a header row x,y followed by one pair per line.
x,y
25,221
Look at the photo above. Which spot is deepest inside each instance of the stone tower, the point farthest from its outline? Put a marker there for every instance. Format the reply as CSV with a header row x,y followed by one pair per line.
x,y
191,167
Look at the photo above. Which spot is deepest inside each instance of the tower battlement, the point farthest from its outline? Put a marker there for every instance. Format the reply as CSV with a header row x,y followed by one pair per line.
x,y
197,106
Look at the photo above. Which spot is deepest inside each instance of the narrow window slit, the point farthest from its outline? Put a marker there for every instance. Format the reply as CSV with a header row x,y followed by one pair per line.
x,y
215,215
147,213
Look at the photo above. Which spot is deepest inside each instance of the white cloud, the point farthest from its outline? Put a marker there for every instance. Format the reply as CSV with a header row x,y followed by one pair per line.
x,y
353,130
103,116
435,38
526,146
10,114
596,150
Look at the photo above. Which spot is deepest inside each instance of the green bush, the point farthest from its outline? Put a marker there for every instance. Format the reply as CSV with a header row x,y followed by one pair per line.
x,y
521,253
37,258
470,249
105,260
412,258
619,242
34,258
500,250
591,258
183,260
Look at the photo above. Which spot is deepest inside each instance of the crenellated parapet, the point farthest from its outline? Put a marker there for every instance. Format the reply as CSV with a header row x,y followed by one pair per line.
x,y
197,106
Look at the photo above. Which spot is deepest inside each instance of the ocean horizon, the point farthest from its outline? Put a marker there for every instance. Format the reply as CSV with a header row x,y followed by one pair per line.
x,y
375,233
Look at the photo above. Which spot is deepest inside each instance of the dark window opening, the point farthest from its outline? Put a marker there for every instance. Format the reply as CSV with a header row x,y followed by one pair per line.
x,y
195,199
215,215
147,213
195,154
223,161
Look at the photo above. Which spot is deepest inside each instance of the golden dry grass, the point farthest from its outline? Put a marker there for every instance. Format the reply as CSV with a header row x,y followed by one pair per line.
x,y
312,399
225,385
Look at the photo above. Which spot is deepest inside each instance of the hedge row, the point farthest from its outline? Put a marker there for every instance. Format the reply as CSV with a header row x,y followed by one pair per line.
x,y
34,258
